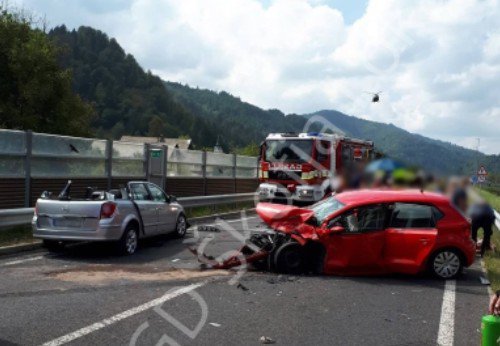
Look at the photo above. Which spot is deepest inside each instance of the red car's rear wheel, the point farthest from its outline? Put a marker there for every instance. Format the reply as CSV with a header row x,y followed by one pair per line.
x,y
446,264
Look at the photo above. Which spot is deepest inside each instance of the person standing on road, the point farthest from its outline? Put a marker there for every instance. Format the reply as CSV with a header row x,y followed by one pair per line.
x,y
482,216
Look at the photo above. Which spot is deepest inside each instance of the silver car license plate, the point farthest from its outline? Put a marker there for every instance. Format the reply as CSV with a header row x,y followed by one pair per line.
x,y
67,222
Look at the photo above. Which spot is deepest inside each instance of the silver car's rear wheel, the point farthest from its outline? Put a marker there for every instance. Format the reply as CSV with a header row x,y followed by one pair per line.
x,y
446,264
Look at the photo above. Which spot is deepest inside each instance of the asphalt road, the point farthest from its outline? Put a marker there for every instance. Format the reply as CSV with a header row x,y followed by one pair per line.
x,y
87,296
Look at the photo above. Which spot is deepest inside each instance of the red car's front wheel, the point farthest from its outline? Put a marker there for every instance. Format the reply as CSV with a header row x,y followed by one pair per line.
x,y
289,258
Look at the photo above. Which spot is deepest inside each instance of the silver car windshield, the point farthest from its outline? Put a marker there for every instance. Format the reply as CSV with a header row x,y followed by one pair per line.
x,y
326,207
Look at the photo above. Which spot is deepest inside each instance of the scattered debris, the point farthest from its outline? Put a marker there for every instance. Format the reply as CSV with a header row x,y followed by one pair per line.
x,y
206,261
240,286
215,324
407,317
266,340
387,320
208,228
281,278
176,260
484,281
232,261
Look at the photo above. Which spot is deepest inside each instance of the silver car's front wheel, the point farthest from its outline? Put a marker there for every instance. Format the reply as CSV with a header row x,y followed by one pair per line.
x,y
446,264
181,226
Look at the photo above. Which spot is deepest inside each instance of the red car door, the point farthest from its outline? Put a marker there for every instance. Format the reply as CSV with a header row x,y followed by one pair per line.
x,y
410,237
359,248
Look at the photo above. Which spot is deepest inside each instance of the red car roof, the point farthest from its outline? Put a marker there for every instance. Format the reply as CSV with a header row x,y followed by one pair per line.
x,y
389,196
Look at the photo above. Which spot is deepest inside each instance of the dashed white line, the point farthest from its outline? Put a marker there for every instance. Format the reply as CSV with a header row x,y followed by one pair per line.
x,y
19,261
121,316
447,322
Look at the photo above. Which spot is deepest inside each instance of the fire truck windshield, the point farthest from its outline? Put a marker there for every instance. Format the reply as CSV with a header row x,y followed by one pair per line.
x,y
295,150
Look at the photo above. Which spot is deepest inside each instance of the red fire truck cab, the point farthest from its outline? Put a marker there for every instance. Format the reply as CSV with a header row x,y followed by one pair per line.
x,y
301,167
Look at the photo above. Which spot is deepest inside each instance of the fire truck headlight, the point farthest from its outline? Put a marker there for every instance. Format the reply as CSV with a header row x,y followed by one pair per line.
x,y
265,174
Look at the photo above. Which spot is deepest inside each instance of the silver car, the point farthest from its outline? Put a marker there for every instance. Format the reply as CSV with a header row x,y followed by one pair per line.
x,y
124,216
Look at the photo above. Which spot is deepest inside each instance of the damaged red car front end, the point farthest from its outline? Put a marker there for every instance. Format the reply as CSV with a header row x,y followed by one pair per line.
x,y
293,233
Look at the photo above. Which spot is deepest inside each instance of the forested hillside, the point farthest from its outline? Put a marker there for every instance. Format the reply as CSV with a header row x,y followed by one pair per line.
x,y
238,123
126,99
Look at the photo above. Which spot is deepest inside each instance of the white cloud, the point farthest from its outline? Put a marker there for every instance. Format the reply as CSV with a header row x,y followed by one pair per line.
x,y
437,62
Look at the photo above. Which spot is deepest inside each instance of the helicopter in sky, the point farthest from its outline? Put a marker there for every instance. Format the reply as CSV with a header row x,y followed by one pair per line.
x,y
375,96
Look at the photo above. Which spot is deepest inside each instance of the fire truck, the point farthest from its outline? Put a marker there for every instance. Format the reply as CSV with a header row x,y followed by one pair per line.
x,y
302,166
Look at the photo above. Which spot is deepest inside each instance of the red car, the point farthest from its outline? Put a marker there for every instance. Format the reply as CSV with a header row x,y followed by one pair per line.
x,y
365,232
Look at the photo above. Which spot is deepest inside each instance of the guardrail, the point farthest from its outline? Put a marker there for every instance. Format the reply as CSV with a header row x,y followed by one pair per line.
x,y
23,216
497,221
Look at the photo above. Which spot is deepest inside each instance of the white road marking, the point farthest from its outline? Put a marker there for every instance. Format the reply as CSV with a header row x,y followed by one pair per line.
x,y
19,261
121,316
483,269
447,322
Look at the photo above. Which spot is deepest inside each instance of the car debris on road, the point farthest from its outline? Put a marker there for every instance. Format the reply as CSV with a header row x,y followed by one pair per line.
x,y
266,340
208,228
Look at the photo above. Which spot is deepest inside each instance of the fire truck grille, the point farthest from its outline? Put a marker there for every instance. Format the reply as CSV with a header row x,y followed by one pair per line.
x,y
285,175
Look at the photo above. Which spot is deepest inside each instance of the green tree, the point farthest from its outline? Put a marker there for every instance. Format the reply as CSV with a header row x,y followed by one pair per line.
x,y
252,149
118,130
156,127
35,93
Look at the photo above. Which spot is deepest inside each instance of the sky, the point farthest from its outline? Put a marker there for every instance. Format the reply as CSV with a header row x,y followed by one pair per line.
x,y
437,62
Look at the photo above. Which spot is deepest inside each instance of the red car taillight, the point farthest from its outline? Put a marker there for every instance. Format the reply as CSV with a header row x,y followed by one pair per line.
x,y
108,210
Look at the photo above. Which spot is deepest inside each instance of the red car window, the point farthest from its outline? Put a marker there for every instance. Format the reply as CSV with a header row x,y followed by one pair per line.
x,y
365,219
408,215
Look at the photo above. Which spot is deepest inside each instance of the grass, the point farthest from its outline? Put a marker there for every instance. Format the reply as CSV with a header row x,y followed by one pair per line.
x,y
16,235
492,198
492,259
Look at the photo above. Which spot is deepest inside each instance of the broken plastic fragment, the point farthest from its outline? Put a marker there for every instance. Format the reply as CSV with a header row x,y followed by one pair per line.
x,y
266,340
244,288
